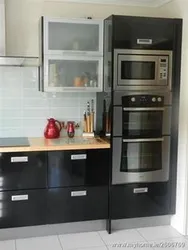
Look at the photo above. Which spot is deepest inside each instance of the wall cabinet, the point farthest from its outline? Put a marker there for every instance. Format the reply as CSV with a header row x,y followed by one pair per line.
x,y
72,55
73,73
143,33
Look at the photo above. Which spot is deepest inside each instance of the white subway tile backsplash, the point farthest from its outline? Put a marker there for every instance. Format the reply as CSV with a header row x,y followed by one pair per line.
x,y
24,110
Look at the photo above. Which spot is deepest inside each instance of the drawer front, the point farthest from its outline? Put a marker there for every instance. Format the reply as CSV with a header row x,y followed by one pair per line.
x,y
23,170
140,200
78,168
77,204
22,208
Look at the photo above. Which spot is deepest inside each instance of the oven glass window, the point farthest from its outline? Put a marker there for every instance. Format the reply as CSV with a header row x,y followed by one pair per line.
x,y
142,123
141,156
135,70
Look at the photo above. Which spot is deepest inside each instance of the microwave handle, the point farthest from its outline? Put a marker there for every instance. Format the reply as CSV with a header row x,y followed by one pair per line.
x,y
144,109
144,140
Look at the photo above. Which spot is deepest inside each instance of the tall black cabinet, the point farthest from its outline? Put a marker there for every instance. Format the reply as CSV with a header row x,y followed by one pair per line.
x,y
123,32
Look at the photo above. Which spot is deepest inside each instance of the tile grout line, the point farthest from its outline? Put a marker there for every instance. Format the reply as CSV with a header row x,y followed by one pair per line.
x,y
59,241
102,239
140,234
15,245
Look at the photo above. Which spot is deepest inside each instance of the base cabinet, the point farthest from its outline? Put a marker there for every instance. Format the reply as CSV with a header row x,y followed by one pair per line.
x,y
140,200
22,208
77,204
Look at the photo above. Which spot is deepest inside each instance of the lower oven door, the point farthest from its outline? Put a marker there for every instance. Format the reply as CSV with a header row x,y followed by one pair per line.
x,y
141,160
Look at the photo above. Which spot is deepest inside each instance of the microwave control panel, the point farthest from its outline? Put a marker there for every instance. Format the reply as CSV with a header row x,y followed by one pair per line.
x,y
163,68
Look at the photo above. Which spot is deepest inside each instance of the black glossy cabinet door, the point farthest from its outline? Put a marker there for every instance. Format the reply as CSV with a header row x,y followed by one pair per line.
x,y
128,29
22,208
23,170
78,168
127,204
77,204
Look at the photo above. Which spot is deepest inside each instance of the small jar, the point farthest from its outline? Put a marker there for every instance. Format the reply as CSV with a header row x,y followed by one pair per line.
x,y
70,129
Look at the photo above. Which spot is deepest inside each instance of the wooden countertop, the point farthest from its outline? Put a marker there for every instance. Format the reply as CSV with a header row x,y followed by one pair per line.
x,y
64,143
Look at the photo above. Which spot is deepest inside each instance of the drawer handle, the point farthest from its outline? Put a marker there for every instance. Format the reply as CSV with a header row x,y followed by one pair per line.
x,y
144,41
140,190
78,193
19,159
20,197
78,157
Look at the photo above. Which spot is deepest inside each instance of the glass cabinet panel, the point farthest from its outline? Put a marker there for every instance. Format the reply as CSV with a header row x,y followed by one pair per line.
x,y
82,35
71,73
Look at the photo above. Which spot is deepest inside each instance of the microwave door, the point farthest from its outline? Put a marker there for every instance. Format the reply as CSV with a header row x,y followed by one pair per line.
x,y
137,70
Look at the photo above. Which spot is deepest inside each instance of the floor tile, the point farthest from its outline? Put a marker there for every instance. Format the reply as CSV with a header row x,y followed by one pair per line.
x,y
155,233
170,244
81,240
42,243
7,245
121,236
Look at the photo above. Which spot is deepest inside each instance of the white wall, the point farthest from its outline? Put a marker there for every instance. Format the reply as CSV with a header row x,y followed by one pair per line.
x,y
22,17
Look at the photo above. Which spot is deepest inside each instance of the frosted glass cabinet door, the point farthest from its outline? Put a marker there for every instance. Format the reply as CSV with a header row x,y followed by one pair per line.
x,y
83,36
73,74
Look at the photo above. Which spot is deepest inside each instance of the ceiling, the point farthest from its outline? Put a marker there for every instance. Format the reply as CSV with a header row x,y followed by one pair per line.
x,y
145,3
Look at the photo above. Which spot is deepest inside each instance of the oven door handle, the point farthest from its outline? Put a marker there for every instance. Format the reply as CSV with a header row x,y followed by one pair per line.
x,y
144,140
144,109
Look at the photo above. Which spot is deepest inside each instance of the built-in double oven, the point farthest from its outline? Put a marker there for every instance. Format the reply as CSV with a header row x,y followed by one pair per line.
x,y
141,137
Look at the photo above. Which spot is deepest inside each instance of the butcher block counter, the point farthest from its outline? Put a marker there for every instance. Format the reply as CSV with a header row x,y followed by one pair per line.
x,y
64,143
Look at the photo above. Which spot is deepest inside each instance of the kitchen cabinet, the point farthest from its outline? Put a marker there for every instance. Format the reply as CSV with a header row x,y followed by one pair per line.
x,y
143,33
23,170
81,36
71,55
77,204
22,208
78,168
73,73
140,200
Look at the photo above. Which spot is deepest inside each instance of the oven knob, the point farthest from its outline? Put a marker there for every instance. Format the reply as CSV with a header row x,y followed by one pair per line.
x,y
133,99
159,99
153,99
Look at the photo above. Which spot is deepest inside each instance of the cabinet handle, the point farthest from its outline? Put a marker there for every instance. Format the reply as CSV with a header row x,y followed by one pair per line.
x,y
19,159
78,157
79,193
140,190
20,197
144,41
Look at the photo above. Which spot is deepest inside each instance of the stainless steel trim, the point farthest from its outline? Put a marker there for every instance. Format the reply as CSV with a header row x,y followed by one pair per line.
x,y
144,41
160,175
142,86
79,157
19,159
144,140
140,190
143,109
20,197
79,193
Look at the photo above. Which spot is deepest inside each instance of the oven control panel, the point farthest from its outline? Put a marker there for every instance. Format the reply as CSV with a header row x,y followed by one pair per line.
x,y
143,101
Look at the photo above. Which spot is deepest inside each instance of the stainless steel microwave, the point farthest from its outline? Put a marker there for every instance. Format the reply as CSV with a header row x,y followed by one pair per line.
x,y
142,70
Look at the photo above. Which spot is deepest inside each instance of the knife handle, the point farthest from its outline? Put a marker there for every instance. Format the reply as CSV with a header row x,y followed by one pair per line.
x,y
92,122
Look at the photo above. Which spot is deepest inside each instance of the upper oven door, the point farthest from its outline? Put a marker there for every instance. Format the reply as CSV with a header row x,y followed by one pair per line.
x,y
137,70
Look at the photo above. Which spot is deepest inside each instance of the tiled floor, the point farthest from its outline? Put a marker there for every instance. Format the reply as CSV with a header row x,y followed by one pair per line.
x,y
151,238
